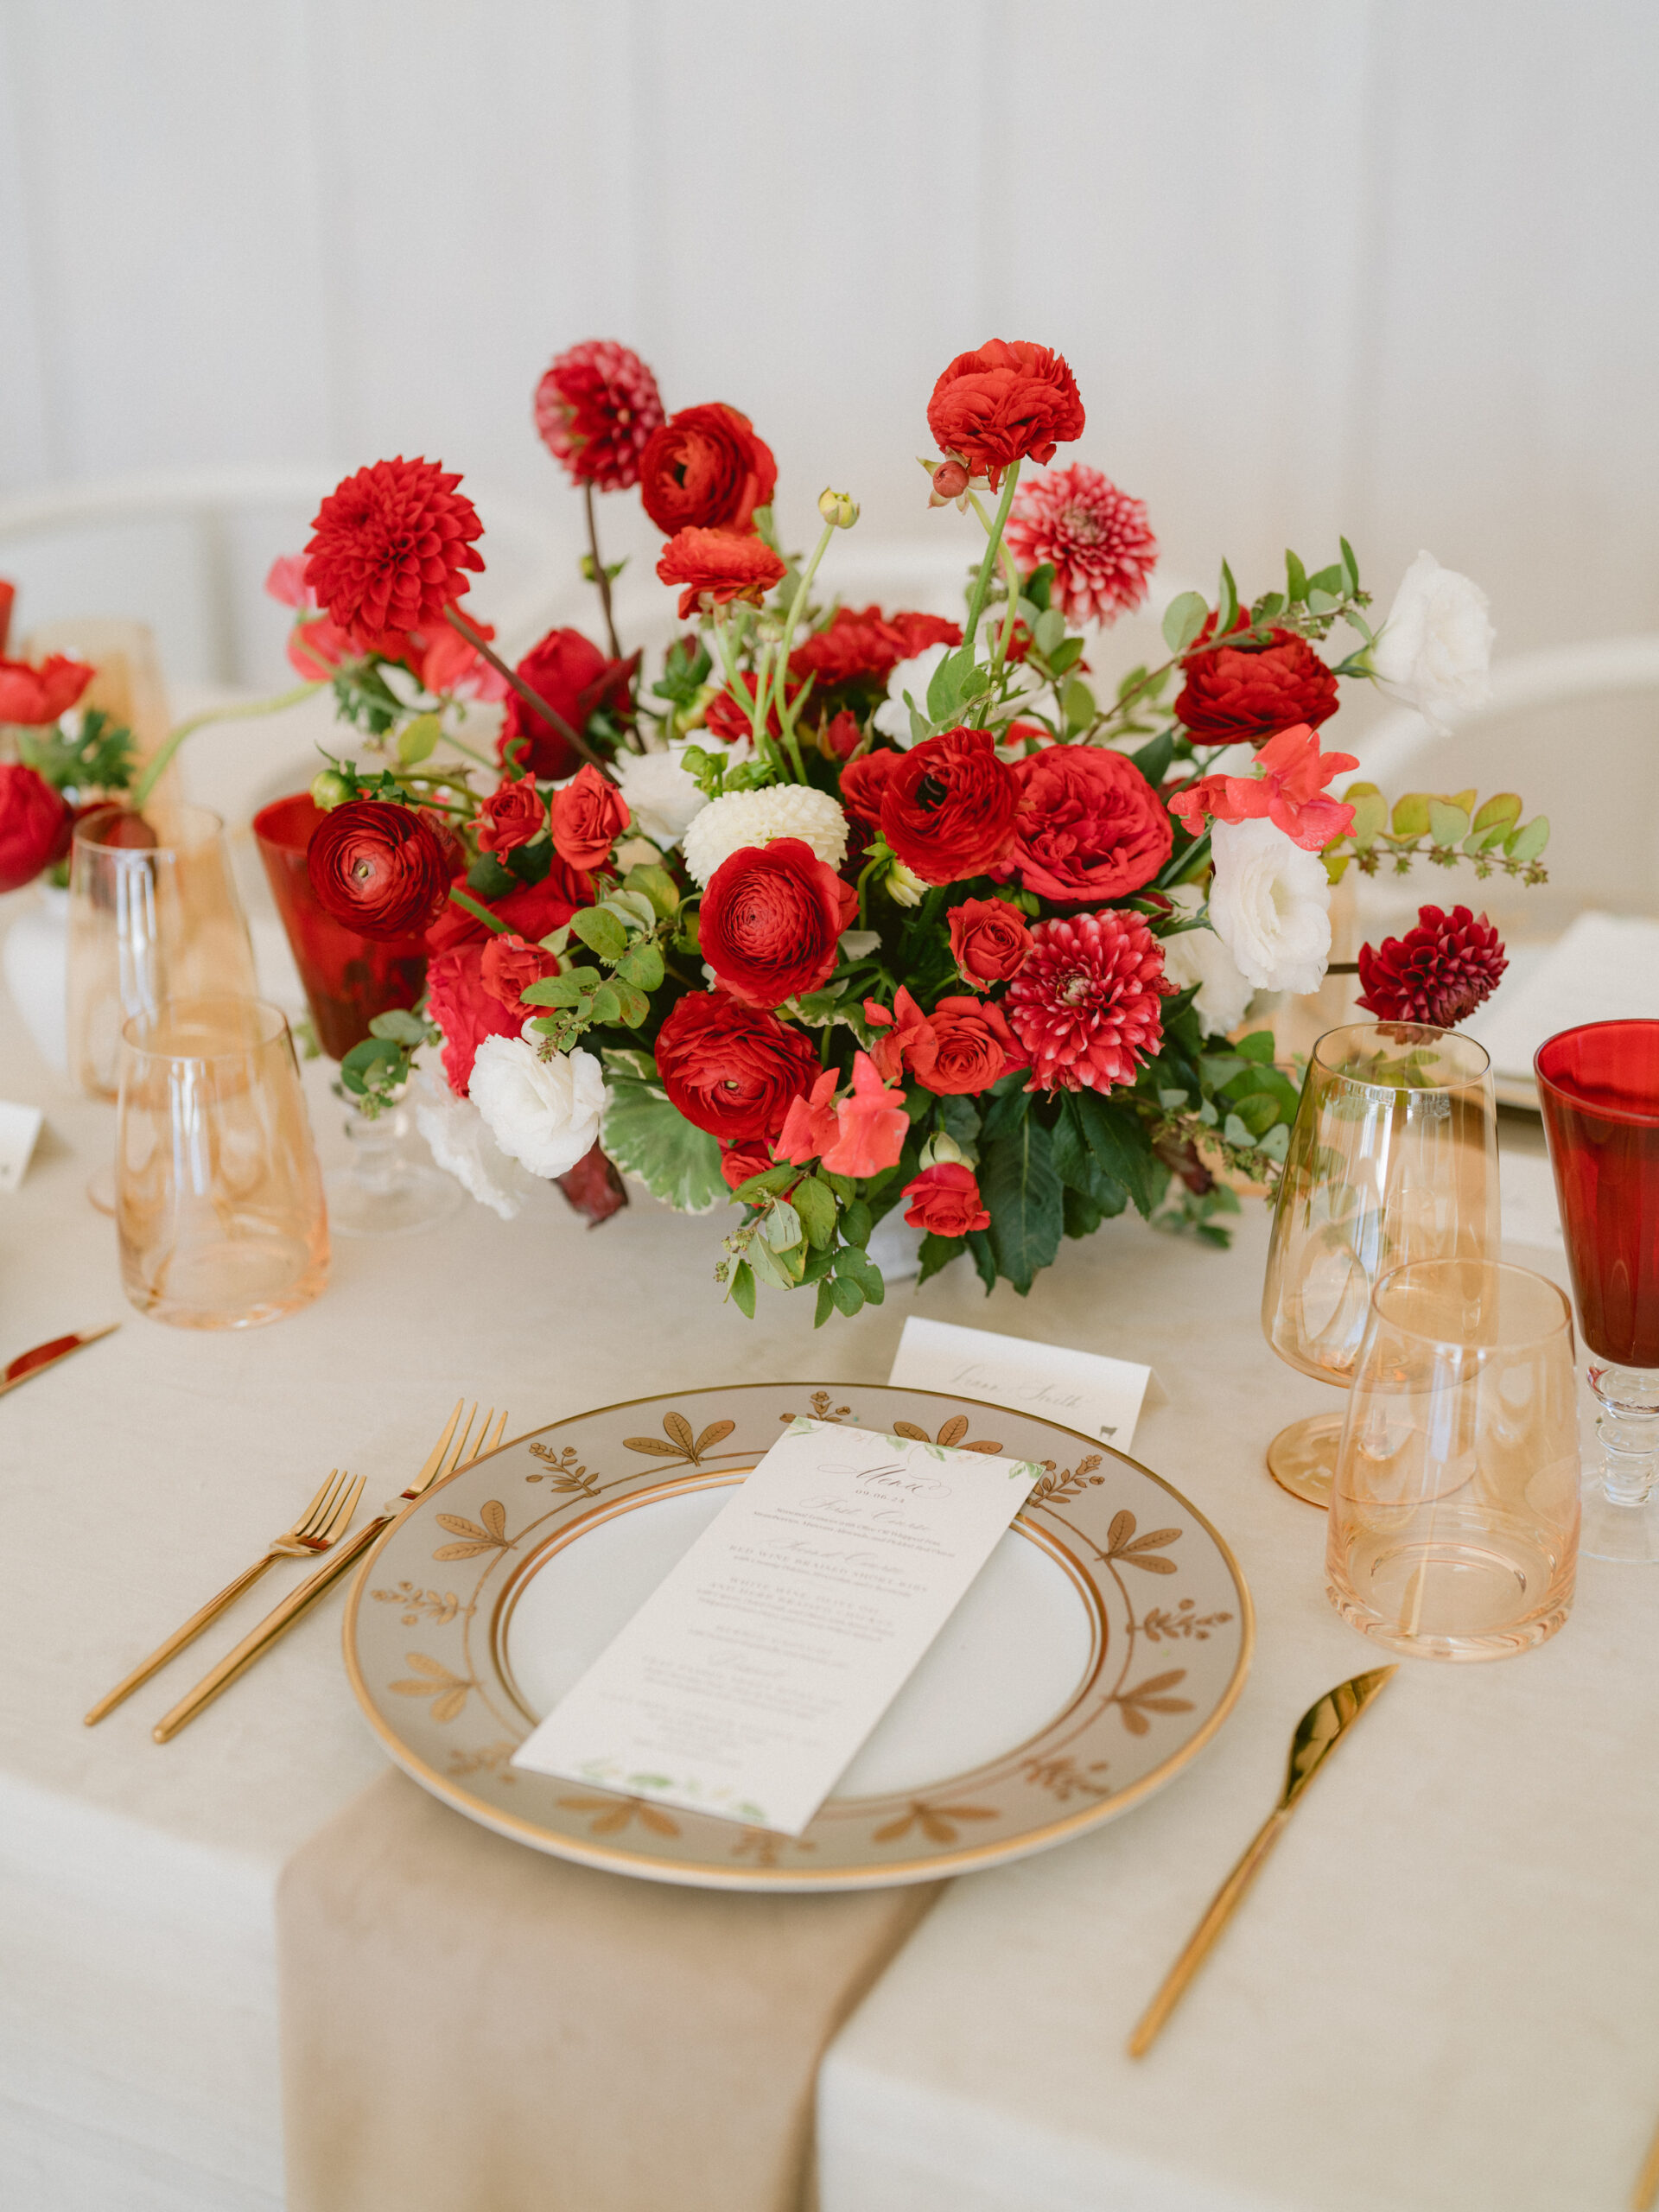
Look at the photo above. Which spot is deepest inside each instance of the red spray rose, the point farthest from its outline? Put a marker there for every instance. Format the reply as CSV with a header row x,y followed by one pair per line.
x,y
945,1201
988,940
718,566
1090,825
596,409
747,1156
1439,972
381,870
389,546
1005,402
515,814
732,1069
589,814
863,781
1088,1004
1240,694
467,1011
964,1046
705,469
575,678
770,921
35,826
39,696
531,911
950,804
511,966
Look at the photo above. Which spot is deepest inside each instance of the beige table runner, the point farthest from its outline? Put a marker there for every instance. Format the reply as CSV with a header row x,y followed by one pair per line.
x,y
470,2026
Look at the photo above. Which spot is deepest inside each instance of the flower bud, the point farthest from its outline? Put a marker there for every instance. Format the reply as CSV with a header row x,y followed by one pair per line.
x,y
330,790
838,507
950,480
904,887
943,1150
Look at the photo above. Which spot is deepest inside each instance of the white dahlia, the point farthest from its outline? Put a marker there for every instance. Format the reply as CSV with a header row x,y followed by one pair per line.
x,y
741,818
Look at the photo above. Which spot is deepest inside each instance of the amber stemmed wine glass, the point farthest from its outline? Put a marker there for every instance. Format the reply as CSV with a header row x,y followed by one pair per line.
x,y
1393,1157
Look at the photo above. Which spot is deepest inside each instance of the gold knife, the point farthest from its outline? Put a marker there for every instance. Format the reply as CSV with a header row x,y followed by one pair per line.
x,y
1318,1731
28,1364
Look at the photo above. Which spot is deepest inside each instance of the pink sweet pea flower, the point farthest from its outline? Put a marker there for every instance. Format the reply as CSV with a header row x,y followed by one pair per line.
x,y
810,1125
286,582
874,1125
448,663
1289,791
904,1023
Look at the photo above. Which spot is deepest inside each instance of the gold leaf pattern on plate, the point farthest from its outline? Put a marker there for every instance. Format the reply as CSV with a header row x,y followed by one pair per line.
x,y
1130,1550
613,1814
682,1444
439,1606
1064,1778
951,1435
936,1822
565,1471
1160,1626
493,1759
492,1537
446,1691
1057,1485
823,1408
1150,1696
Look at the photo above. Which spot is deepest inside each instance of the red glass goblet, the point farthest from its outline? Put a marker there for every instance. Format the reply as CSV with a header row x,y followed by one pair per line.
x,y
1598,1088
348,980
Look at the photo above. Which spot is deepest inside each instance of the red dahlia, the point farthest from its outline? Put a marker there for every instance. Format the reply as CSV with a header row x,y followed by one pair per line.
x,y
389,545
1087,1005
595,409
1438,973
1004,403
1096,537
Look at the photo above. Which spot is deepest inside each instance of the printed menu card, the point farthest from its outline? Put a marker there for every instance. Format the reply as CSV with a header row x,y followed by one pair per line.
x,y
748,1681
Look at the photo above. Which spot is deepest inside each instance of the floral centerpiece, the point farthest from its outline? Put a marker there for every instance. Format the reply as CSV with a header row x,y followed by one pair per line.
x,y
842,909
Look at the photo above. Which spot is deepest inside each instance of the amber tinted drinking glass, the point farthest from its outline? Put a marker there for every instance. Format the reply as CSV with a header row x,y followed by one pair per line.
x,y
1598,1088
1392,1157
218,1203
1454,1517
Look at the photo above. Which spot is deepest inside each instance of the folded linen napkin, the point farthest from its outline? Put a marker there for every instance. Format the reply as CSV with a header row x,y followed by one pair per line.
x,y
471,2026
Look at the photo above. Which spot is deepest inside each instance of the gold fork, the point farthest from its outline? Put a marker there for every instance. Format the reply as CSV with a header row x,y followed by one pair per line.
x,y
449,1453
327,1516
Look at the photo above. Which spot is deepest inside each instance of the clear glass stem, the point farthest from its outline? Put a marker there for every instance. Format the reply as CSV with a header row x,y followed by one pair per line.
x,y
1628,1430
376,1165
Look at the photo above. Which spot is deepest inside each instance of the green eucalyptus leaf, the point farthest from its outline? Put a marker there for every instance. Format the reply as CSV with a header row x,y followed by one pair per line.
x,y
1184,617
417,739
641,964
848,1298
1447,824
1526,843
1295,578
743,1288
398,1023
602,933
784,1227
815,1202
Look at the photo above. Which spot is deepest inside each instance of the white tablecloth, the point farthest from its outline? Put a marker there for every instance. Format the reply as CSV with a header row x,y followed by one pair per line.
x,y
1441,1992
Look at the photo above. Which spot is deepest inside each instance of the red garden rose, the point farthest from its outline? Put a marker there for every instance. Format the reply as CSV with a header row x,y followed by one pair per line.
x,y
39,696
571,674
705,469
511,966
949,805
1090,825
389,546
1005,402
988,940
770,921
863,781
748,1156
467,1011
379,869
718,566
732,1069
513,815
964,1046
596,409
34,825
1242,693
945,1201
531,911
589,814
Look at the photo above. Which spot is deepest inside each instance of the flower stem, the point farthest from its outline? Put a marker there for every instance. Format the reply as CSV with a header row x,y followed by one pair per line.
x,y
479,913
982,581
1011,571
785,716
601,576
481,646
147,781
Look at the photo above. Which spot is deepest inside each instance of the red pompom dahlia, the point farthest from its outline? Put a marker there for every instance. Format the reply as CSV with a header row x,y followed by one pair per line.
x,y
595,409
389,547
1096,537
1087,1005
1439,972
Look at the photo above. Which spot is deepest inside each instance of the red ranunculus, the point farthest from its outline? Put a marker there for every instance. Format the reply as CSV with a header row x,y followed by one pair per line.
x,y
988,940
748,1156
1239,695
34,825
1005,402
39,696
770,921
863,781
514,814
467,1011
389,546
964,1046
717,566
379,869
575,677
864,646
945,1201
916,633
950,806
511,966
732,1069
1090,825
705,469
532,911
596,409
589,814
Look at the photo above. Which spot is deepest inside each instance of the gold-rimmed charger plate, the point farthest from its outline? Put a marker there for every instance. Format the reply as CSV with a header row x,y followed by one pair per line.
x,y
1099,1650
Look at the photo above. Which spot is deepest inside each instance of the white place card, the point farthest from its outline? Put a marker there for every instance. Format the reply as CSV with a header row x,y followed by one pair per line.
x,y
19,1128
746,1683
1081,1389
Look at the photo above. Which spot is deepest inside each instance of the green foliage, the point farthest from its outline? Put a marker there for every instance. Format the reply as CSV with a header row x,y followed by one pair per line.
x,y
99,758
1021,1191
649,1138
1443,830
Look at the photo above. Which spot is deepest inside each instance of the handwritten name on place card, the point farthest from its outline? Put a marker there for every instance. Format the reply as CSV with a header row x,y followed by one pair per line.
x,y
1084,1389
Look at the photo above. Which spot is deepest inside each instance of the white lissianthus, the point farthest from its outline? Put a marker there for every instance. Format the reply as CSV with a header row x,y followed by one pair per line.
x,y
1270,906
892,715
1199,956
741,818
1434,652
543,1113
461,1143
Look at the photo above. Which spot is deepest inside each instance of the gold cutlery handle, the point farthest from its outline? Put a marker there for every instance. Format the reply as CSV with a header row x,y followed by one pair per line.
x,y
1203,1935
260,1640
175,1643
